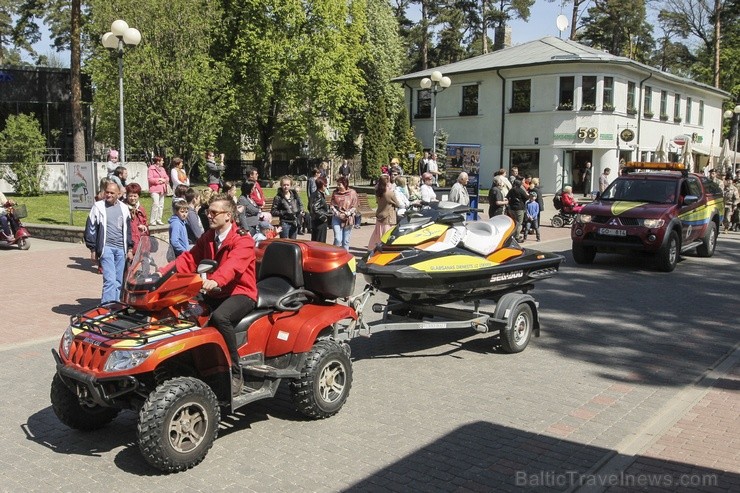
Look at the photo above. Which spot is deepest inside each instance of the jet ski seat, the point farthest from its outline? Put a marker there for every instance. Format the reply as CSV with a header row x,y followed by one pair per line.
x,y
484,237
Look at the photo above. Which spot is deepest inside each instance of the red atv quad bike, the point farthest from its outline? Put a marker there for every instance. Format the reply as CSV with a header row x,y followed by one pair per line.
x,y
155,353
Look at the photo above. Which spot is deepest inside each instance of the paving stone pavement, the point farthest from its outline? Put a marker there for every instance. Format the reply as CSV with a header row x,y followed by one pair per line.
x,y
635,375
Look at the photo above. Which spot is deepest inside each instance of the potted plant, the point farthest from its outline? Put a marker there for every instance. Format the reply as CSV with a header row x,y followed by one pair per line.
x,y
631,110
607,107
664,117
588,107
677,119
566,106
648,114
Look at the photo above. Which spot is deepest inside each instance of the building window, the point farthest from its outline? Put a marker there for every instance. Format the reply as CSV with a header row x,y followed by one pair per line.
x,y
677,108
521,94
527,161
607,99
688,110
647,109
588,92
423,103
664,105
701,112
631,108
567,85
469,100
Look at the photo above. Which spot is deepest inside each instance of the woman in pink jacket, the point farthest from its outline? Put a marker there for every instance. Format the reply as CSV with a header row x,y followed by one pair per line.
x,y
158,181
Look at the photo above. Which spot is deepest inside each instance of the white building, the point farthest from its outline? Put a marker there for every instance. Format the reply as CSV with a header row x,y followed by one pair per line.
x,y
551,105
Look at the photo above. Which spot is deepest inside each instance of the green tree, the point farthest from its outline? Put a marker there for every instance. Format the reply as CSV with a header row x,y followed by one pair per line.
x,y
620,28
376,145
406,143
176,96
22,145
293,62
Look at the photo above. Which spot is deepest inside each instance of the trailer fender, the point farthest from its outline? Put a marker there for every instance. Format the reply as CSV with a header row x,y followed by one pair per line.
x,y
508,302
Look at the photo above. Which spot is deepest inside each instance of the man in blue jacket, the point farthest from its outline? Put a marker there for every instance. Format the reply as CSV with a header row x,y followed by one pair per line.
x,y
108,236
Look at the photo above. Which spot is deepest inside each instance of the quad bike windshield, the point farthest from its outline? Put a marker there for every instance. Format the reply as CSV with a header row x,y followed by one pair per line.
x,y
152,282
152,263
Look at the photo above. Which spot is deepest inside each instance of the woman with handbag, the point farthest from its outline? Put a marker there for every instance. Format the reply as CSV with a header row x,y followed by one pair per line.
x,y
320,211
158,182
344,202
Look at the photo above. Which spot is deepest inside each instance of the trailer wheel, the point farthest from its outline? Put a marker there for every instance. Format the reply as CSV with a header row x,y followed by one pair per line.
x,y
517,332
325,380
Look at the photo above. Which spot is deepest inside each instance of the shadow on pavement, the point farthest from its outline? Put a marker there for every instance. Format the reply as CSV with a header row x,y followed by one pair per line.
x,y
82,263
82,305
483,456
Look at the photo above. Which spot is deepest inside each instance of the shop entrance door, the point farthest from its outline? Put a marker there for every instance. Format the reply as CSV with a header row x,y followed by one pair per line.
x,y
578,165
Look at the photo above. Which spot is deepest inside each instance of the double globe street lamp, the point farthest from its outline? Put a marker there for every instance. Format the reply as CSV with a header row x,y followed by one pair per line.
x,y
120,36
729,114
437,83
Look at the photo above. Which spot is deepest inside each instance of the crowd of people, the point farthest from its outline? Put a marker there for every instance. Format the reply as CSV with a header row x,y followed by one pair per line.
x,y
521,198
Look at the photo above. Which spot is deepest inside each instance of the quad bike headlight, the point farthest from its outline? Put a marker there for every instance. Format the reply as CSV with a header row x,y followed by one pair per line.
x,y
125,359
67,341
653,223
584,218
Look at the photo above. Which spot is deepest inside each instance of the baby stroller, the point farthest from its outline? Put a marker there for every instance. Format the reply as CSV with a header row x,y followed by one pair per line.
x,y
561,218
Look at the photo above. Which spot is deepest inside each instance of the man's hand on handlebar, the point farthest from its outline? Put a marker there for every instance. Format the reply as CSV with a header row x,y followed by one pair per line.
x,y
209,285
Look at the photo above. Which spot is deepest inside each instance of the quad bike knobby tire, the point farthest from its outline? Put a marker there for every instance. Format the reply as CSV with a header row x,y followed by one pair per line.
x,y
325,381
583,254
515,335
76,414
178,424
709,243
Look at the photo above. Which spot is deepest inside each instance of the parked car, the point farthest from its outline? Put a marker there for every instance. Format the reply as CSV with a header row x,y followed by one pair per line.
x,y
655,208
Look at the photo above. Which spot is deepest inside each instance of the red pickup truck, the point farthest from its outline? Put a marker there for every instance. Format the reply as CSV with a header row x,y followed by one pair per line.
x,y
658,208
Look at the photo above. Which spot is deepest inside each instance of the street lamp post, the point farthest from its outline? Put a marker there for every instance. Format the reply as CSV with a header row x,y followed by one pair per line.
x,y
120,36
729,114
437,83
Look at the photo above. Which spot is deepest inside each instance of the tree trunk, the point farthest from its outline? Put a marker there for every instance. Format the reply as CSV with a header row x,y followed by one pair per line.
x,y
484,25
574,19
78,131
717,32
424,35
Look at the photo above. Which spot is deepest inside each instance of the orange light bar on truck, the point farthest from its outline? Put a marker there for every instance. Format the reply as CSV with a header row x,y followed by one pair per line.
x,y
659,166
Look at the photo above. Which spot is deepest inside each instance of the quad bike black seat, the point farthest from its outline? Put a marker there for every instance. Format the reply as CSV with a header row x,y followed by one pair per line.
x,y
280,273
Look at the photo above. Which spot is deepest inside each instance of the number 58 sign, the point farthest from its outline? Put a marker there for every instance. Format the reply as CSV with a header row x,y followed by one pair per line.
x,y
591,133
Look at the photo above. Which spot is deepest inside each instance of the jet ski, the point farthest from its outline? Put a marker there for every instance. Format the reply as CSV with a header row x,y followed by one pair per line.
x,y
435,256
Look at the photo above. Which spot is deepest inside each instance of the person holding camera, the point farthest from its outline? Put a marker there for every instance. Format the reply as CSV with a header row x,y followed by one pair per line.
x,y
288,207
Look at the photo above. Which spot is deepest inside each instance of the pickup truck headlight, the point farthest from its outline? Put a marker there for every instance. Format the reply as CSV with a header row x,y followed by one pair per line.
x,y
653,223
584,218
126,359
67,341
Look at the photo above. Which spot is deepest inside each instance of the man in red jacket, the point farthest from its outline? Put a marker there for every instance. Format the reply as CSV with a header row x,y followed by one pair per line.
x,y
231,289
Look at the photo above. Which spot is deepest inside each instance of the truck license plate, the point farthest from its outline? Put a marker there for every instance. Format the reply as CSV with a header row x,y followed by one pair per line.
x,y
612,232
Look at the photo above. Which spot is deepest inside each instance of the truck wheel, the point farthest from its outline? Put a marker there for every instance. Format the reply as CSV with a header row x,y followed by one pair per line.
x,y
76,414
325,380
668,254
515,335
583,254
557,222
178,424
709,243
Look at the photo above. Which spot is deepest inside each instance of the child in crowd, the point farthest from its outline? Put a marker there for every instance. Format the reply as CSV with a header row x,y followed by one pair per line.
x,y
531,215
178,228
265,231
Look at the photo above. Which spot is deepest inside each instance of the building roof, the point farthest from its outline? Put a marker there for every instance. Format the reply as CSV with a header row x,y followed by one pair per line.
x,y
549,50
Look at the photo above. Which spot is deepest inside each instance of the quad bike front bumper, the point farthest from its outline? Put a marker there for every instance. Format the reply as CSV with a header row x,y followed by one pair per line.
x,y
102,392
